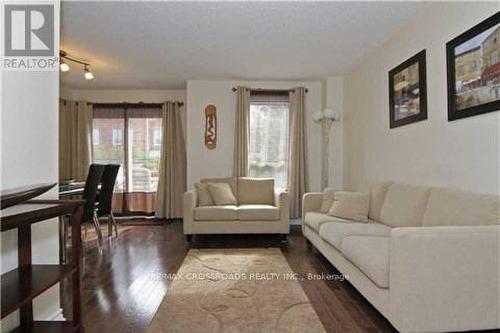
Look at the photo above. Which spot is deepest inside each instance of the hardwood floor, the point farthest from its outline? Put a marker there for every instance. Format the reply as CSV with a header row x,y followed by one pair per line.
x,y
121,293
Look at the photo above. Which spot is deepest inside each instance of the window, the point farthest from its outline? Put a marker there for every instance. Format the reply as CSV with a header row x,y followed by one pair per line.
x,y
144,156
157,137
95,136
108,150
268,146
117,137
128,137
473,66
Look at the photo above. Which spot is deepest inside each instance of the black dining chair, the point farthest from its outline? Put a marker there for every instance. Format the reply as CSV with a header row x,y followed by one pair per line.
x,y
108,180
90,194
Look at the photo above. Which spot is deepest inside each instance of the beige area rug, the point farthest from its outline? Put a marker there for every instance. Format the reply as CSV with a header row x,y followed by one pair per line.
x,y
235,290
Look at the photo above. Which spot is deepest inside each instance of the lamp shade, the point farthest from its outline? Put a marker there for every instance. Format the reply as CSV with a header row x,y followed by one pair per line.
x,y
64,67
317,116
329,113
326,114
332,114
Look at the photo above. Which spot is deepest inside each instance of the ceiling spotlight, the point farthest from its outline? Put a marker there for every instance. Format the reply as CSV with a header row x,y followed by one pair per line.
x,y
88,74
64,66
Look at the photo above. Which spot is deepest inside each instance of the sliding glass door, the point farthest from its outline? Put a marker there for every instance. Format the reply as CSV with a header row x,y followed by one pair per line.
x,y
130,135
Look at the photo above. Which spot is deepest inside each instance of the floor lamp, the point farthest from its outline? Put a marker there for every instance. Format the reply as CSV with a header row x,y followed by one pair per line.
x,y
326,118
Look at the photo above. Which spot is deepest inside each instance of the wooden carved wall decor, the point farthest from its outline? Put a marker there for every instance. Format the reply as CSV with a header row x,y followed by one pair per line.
x,y
210,126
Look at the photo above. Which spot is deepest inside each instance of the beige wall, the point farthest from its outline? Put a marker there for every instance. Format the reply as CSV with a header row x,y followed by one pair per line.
x,y
219,162
463,153
334,99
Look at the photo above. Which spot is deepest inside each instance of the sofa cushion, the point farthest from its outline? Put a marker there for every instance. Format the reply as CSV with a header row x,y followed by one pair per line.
x,y
216,213
404,205
448,207
334,232
221,194
229,180
258,213
328,197
351,205
314,220
371,255
204,197
256,191
378,193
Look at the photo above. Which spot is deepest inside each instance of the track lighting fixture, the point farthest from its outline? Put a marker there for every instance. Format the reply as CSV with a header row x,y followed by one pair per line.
x,y
88,74
65,67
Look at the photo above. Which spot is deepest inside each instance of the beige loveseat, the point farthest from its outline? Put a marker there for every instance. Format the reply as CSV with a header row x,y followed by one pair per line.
x,y
259,210
428,259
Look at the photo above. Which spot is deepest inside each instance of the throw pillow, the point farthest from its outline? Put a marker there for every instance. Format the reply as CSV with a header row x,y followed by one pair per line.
x,y
204,197
378,194
326,204
351,205
221,194
254,191
230,180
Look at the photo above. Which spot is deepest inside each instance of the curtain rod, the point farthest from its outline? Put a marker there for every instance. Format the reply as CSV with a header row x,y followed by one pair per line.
x,y
139,104
267,90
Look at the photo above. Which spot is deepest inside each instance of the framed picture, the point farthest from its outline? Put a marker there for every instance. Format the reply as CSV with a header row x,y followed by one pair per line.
x,y
473,61
408,92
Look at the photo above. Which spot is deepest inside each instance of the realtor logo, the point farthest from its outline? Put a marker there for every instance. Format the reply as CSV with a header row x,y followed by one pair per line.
x,y
29,30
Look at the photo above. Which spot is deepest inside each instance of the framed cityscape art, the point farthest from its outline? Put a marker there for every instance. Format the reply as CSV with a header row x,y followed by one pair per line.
x,y
473,61
407,92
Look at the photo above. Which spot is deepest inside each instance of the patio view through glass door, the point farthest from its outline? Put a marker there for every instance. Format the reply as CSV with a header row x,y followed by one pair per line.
x,y
130,135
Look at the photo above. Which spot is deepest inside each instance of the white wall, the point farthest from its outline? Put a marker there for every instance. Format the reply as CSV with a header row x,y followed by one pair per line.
x,y
462,153
202,162
65,93
29,155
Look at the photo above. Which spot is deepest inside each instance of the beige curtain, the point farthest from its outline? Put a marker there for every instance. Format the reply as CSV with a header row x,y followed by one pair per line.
x,y
172,182
75,139
297,170
240,164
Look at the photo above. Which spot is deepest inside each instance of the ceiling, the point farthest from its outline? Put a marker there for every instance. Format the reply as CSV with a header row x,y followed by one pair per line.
x,y
161,45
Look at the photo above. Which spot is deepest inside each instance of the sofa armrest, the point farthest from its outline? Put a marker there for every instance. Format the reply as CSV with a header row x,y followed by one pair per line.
x,y
282,201
311,202
189,201
444,278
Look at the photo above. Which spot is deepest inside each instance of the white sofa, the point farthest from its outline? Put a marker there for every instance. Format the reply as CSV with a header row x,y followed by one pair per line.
x,y
428,259
267,213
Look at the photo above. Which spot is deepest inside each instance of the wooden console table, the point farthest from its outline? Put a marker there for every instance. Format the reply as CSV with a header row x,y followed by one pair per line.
x,y
19,286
